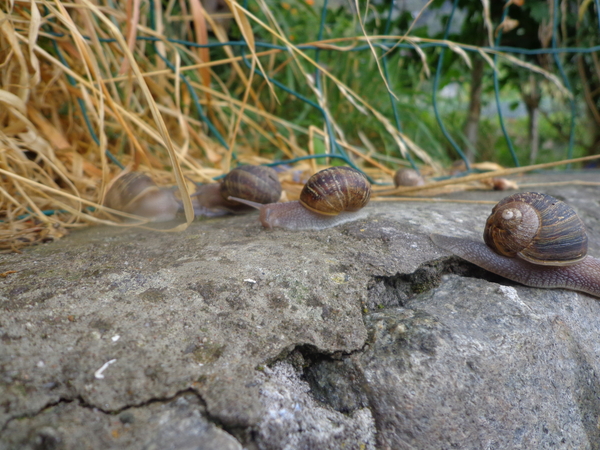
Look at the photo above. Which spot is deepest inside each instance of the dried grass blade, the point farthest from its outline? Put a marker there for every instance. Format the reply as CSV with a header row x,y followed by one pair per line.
x,y
158,119
456,49
133,14
487,19
7,29
488,59
421,54
179,112
199,14
34,29
383,77
482,176
56,138
241,17
12,100
553,78
62,205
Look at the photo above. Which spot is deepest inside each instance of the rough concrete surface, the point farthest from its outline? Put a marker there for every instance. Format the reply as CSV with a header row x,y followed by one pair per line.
x,y
228,336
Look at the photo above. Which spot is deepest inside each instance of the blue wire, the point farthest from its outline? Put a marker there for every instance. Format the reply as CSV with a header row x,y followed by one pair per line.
x,y
497,95
384,44
436,81
330,133
386,31
83,108
191,90
565,79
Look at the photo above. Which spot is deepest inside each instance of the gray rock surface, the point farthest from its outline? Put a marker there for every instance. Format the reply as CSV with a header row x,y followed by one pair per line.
x,y
509,368
228,336
180,423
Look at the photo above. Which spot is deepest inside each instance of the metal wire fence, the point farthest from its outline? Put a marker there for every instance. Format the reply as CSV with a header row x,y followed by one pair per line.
x,y
381,48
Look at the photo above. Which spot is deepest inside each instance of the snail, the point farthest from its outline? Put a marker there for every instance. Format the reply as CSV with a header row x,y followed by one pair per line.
x,y
533,239
408,177
502,184
254,183
136,193
330,197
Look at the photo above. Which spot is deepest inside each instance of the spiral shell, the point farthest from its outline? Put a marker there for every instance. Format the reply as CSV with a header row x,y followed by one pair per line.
x,y
408,177
334,190
256,183
537,228
136,193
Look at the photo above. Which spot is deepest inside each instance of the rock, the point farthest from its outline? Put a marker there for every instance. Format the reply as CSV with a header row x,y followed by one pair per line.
x,y
179,424
509,367
293,419
227,335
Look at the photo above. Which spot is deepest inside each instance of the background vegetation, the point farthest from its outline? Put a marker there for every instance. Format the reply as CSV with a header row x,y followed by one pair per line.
x,y
184,90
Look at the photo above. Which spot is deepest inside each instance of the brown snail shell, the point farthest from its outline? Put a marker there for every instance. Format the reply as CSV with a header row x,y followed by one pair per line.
x,y
257,183
538,228
254,183
502,184
334,190
408,177
136,193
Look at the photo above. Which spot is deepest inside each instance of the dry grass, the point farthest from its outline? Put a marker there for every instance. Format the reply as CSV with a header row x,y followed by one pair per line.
x,y
76,82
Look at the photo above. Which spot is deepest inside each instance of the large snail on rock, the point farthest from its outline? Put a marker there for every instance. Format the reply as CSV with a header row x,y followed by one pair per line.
x,y
330,197
534,239
136,193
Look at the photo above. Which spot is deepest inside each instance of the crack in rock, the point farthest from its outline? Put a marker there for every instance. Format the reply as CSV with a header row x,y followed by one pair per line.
x,y
294,419
397,290
179,421
83,404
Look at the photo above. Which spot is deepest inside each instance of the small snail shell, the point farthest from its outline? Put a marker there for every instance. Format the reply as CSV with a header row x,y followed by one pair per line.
x,y
255,183
408,177
502,184
549,247
330,197
136,193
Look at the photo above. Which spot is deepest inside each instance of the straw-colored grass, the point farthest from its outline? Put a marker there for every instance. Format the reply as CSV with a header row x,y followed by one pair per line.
x,y
59,73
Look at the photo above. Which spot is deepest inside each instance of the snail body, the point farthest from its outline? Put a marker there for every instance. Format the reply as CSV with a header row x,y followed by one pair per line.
x,y
548,250
253,183
136,193
330,197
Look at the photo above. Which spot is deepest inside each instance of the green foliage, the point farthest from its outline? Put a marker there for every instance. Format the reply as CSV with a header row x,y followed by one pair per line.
x,y
359,71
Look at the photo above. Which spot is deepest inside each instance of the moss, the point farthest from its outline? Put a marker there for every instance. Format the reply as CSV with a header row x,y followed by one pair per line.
x,y
419,288
208,353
